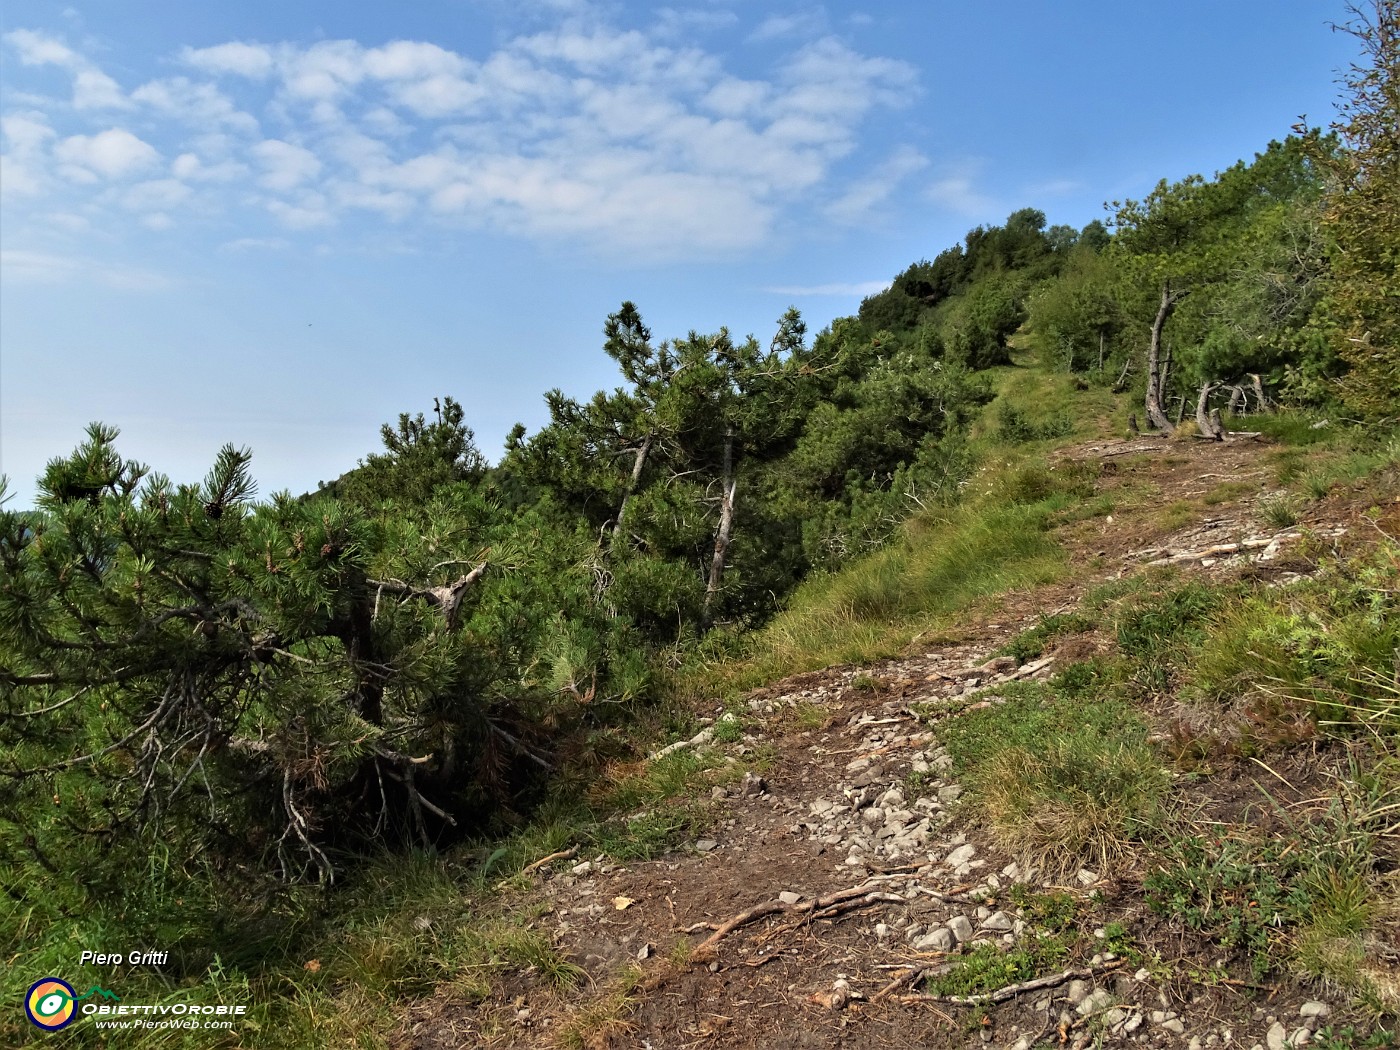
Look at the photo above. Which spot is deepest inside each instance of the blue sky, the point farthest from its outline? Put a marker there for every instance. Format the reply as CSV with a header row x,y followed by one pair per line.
x,y
280,225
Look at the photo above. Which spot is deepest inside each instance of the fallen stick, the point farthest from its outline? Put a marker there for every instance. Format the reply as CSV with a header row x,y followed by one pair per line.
x,y
911,976
1130,451
1026,670
563,854
834,910
1212,552
1011,990
773,907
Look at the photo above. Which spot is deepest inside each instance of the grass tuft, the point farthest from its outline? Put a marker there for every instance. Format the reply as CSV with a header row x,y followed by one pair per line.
x,y
1062,782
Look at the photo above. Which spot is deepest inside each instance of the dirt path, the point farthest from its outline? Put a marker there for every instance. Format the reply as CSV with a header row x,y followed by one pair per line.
x,y
838,870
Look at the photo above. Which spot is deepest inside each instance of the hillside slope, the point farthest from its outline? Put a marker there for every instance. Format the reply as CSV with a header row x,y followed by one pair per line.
x,y
869,866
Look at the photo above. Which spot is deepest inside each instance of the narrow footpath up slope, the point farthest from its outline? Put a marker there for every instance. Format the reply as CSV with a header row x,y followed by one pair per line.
x,y
840,879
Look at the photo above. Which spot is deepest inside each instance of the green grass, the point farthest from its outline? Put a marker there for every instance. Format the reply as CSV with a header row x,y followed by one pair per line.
x,y
1061,781
939,568
988,968
1279,511
1032,642
1297,429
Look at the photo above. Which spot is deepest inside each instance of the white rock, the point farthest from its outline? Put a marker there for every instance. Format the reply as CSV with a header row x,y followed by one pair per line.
x,y
1299,1037
998,921
962,929
788,897
1095,1002
1314,1009
940,940
1277,1038
960,856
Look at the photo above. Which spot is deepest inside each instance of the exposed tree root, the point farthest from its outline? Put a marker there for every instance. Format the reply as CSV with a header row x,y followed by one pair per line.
x,y
563,854
1001,995
820,907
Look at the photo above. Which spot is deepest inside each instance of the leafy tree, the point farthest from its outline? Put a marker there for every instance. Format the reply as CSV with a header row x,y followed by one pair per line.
x,y
1077,319
1191,240
1363,213
272,683
419,456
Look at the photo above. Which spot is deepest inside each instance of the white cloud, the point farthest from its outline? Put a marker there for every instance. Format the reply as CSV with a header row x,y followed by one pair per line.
x,y
860,199
18,179
672,23
438,96
801,23
732,97
412,60
114,153
23,165
191,167
249,244
285,166
849,290
308,213
31,267
1054,188
156,195
27,132
195,103
624,139
40,49
68,222
94,89
958,191
247,60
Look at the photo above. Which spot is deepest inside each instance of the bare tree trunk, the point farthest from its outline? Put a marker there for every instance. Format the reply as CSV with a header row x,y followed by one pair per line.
x,y
726,526
1208,423
1100,349
638,465
1157,364
1122,382
1261,403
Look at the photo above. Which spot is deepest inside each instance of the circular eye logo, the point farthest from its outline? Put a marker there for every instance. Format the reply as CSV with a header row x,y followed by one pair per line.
x,y
50,1004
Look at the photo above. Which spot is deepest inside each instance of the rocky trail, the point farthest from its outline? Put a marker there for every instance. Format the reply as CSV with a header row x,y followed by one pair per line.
x,y
837,872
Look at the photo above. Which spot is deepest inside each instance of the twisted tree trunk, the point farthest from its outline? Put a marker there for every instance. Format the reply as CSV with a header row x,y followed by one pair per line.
x,y
1158,363
638,465
726,526
1208,422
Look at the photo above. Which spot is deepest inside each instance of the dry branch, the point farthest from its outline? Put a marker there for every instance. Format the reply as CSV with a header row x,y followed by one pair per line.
x,y
1012,990
774,907
563,854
